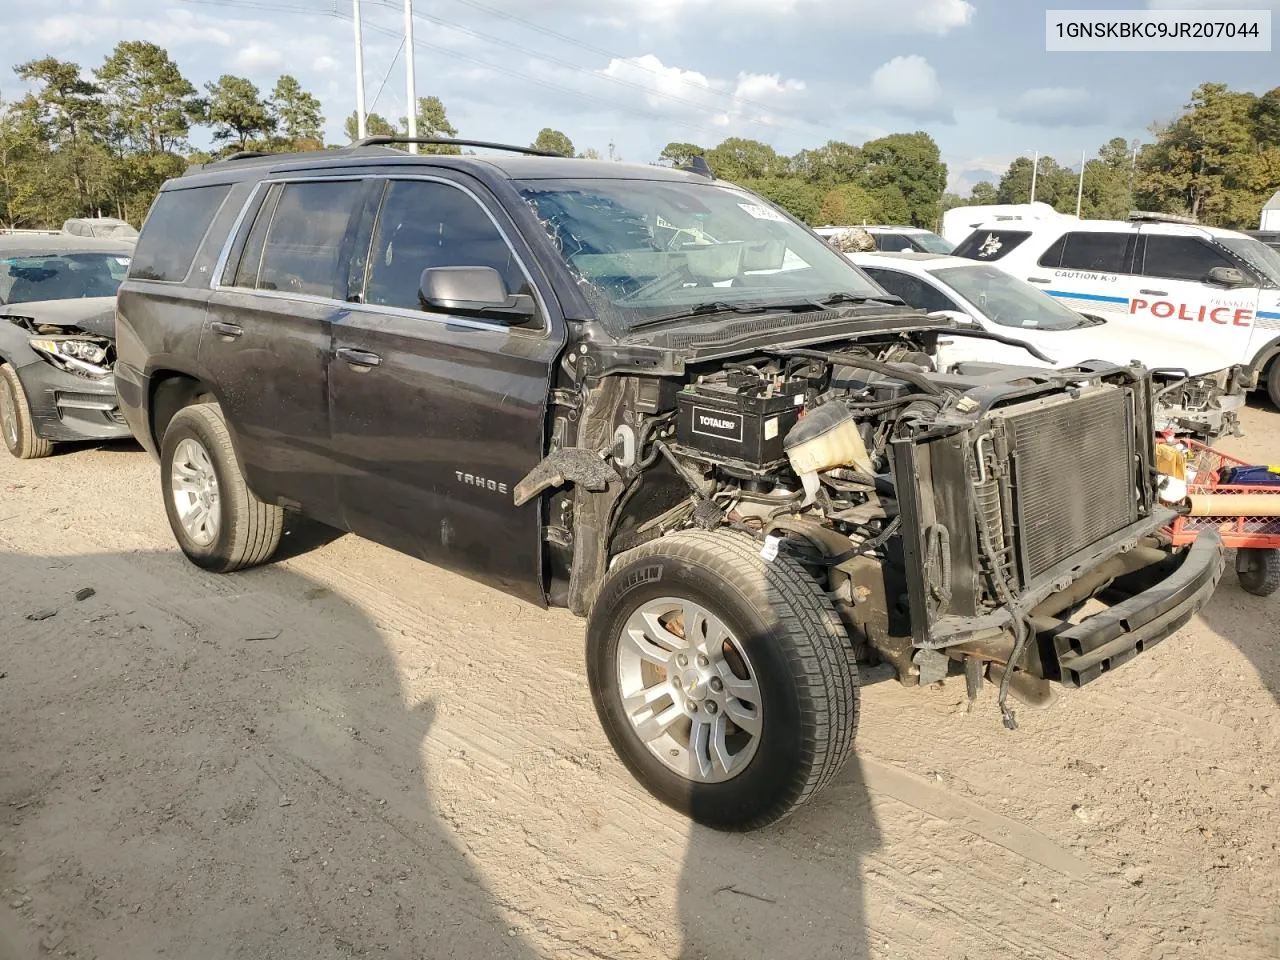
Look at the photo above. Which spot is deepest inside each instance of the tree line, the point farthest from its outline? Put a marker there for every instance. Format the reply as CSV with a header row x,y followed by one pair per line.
x,y
102,143
1218,161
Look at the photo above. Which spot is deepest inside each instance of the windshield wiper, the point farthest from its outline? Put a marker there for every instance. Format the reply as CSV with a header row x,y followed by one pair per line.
x,y
858,298
742,306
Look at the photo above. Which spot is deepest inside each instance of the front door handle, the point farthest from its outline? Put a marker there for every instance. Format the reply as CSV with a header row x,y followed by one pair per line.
x,y
358,358
1037,280
1155,293
228,331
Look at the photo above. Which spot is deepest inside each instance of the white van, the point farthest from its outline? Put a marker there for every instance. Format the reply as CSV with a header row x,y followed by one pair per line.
x,y
1156,276
959,222
1203,398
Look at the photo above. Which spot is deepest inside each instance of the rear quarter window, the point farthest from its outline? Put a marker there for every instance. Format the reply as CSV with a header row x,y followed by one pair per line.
x,y
991,245
173,231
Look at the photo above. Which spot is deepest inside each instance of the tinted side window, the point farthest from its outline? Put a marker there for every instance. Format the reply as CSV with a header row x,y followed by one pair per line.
x,y
990,245
1089,250
175,226
305,238
893,242
914,291
246,273
1181,258
425,224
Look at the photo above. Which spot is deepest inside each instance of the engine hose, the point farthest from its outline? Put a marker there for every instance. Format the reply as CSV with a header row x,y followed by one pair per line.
x,y
879,406
866,546
923,383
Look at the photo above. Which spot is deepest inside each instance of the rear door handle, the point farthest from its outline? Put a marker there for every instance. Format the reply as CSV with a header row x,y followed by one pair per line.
x,y
358,358
1036,280
230,331
1155,293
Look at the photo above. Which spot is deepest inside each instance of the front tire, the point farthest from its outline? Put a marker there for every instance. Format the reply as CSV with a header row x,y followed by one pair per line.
x,y
16,426
218,522
1273,382
726,683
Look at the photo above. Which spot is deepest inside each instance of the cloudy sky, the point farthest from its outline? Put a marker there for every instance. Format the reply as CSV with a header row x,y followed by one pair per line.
x,y
639,73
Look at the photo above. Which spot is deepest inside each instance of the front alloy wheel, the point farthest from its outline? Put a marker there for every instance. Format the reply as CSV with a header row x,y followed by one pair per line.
x,y
725,682
688,689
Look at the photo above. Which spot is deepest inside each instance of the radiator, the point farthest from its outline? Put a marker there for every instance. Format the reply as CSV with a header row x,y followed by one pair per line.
x,y
1072,472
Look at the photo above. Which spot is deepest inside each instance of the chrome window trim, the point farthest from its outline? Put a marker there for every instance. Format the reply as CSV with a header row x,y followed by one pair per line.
x,y
217,286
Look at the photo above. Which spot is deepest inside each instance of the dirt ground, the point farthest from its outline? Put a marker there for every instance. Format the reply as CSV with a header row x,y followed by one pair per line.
x,y
352,753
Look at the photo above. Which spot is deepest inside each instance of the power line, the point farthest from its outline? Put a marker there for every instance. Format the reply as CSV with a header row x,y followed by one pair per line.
x,y
699,127
387,75
613,105
648,91
600,51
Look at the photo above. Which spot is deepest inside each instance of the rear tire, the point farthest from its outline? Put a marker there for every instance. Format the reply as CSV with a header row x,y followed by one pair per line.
x,y
16,426
218,522
783,645
1258,571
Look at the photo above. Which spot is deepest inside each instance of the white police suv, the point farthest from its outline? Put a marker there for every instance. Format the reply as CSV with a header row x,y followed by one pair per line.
x,y
1156,276
1200,388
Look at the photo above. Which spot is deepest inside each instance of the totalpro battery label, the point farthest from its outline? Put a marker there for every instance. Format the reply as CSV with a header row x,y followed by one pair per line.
x,y
717,423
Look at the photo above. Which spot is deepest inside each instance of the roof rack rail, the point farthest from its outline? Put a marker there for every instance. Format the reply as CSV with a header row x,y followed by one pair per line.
x,y
454,142
245,155
1148,216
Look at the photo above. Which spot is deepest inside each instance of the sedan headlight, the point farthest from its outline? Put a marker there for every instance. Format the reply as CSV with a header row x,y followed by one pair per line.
x,y
85,355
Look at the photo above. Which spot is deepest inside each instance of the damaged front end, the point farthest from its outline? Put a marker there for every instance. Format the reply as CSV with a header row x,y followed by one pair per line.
x,y
65,352
1205,405
951,519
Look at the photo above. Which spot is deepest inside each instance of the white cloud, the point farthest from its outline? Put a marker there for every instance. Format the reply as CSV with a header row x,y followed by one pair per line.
x,y
176,28
937,17
257,56
909,85
1055,107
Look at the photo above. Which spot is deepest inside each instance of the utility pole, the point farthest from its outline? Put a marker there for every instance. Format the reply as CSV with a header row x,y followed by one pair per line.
x,y
1035,166
361,129
412,90
1080,188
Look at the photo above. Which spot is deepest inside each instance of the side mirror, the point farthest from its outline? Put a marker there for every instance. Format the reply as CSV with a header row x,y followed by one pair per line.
x,y
472,290
1229,277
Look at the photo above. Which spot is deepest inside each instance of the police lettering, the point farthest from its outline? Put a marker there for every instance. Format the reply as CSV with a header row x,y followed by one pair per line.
x,y
1223,316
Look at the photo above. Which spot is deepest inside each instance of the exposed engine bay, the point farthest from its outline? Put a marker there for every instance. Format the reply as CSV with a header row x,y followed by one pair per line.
x,y
948,517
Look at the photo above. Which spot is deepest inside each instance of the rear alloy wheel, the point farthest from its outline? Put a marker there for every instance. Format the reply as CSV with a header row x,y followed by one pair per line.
x,y
218,522
16,427
725,682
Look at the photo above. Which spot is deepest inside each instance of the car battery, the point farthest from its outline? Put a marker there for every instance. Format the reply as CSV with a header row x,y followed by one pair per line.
x,y
739,416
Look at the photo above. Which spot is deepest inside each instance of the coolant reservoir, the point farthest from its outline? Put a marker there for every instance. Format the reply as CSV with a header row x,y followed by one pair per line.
x,y
826,437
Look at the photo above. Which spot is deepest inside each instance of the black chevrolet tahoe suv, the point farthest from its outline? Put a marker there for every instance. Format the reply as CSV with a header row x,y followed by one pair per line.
x,y
656,399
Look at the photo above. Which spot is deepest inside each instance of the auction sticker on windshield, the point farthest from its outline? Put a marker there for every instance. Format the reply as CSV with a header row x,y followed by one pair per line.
x,y
761,212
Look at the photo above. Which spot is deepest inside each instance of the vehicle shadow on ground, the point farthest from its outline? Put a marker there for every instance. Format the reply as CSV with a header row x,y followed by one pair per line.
x,y
792,890
201,766
1250,623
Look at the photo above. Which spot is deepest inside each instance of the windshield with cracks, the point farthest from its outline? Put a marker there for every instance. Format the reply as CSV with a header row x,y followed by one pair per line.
x,y
1257,254
645,251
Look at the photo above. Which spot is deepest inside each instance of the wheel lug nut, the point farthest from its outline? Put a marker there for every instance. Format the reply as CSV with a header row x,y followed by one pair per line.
x,y
711,706
702,660
716,684
682,660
